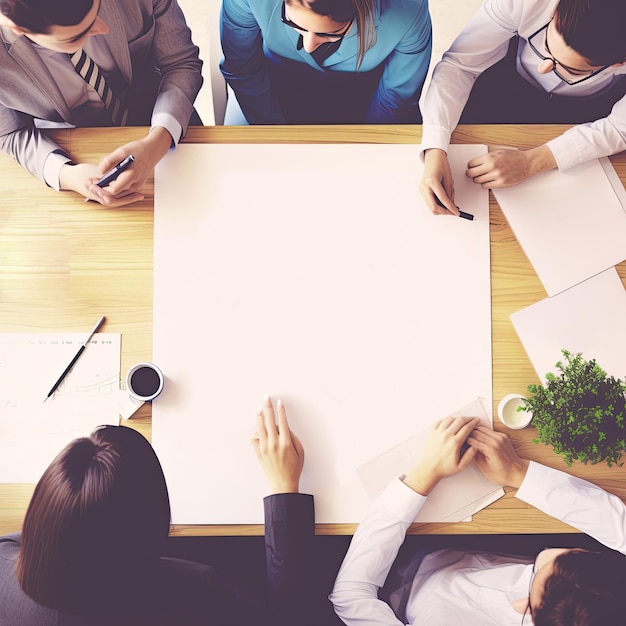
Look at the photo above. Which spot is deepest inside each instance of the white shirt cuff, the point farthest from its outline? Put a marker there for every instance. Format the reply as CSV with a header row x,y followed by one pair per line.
x,y
401,501
52,169
435,137
171,125
565,151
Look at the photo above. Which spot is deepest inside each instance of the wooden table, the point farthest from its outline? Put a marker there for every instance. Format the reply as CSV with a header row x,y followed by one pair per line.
x,y
63,263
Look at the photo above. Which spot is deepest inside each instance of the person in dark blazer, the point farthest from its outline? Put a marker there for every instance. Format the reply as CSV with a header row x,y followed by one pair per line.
x,y
89,553
137,54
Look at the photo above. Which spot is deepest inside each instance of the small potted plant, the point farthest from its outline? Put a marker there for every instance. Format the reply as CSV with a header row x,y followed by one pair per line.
x,y
581,412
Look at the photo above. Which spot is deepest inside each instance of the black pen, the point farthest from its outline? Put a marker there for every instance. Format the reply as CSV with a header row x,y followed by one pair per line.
x,y
463,214
66,371
112,174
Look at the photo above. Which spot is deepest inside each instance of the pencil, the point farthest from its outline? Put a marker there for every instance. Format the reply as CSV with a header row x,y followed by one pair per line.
x,y
67,370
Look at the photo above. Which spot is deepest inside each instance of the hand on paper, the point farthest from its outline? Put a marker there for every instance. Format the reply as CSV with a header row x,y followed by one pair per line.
x,y
82,177
437,183
496,458
443,455
147,152
504,168
279,451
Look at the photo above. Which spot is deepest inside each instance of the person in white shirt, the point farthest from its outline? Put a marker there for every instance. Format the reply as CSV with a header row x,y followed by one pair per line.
x,y
448,587
565,64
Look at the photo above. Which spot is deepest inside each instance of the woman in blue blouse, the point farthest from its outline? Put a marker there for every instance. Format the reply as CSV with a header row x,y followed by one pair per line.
x,y
326,61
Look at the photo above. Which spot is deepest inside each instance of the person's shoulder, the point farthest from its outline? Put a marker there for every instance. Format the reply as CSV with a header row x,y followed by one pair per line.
x,y
10,546
401,12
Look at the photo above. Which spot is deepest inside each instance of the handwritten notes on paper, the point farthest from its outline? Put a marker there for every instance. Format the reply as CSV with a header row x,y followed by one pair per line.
x,y
32,432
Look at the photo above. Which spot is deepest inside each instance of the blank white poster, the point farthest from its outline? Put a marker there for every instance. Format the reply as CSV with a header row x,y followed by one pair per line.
x,y
313,273
587,318
570,224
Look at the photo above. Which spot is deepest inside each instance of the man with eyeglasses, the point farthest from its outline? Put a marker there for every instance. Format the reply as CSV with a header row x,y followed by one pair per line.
x,y
66,63
528,62
565,586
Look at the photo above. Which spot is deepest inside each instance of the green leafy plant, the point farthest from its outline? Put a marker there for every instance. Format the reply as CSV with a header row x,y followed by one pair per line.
x,y
581,412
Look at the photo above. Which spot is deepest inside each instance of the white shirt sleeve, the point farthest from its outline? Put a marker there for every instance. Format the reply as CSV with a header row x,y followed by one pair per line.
x,y
577,502
52,169
372,552
593,140
171,125
482,43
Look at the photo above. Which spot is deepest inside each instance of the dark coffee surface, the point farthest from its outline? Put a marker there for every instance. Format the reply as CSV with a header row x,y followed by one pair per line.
x,y
144,381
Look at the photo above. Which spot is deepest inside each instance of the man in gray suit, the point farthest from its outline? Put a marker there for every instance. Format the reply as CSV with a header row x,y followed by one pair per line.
x,y
95,63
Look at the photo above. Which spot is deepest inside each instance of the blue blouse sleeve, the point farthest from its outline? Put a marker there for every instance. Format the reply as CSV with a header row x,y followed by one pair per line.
x,y
244,63
400,86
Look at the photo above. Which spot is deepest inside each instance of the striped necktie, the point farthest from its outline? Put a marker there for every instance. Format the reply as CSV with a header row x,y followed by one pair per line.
x,y
93,76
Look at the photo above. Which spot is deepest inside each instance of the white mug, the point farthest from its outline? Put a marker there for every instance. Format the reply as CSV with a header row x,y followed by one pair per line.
x,y
144,381
508,413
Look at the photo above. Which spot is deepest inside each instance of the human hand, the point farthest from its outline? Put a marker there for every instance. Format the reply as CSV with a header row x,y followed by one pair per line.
x,y
504,168
279,451
443,455
147,152
496,458
82,176
437,186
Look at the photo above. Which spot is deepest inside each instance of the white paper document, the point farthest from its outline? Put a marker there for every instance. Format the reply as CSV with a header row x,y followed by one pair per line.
x,y
571,224
455,497
313,273
33,432
588,318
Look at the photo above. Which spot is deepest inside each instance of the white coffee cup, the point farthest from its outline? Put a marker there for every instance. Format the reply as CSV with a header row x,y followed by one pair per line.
x,y
144,381
508,413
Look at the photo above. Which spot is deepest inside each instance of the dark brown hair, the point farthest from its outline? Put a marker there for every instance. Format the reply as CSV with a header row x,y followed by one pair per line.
x,y
96,523
38,16
584,589
596,29
362,11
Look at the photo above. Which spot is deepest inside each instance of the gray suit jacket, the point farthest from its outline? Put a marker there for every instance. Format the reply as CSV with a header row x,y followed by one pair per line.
x,y
144,35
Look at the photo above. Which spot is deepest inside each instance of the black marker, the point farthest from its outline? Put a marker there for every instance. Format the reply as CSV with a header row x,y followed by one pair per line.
x,y
112,174
463,214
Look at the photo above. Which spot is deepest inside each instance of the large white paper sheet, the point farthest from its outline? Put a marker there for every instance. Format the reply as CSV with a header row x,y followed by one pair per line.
x,y
570,224
588,318
314,273
33,432
455,497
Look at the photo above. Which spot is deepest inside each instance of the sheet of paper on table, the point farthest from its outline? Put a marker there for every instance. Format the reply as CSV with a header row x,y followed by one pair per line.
x,y
33,432
313,273
455,497
588,318
571,225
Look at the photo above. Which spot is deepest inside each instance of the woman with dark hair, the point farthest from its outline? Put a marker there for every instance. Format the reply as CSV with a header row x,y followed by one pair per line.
x,y
90,549
325,61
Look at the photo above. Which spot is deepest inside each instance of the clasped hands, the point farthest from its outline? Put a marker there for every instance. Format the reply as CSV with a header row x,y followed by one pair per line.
x,y
126,188
444,455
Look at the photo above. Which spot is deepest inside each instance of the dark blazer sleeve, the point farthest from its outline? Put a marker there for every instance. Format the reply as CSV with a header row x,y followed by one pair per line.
x,y
289,533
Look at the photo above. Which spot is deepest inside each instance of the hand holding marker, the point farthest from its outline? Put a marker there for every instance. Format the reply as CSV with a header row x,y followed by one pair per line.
x,y
113,173
463,214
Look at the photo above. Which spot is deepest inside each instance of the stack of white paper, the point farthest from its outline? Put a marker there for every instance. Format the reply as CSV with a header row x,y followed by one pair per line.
x,y
454,498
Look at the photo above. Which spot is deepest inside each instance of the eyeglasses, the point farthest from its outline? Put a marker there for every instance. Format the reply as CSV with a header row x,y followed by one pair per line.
x,y
332,37
569,75
530,584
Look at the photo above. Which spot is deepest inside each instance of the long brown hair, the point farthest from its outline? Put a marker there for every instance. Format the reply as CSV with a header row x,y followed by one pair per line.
x,y
362,11
96,522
